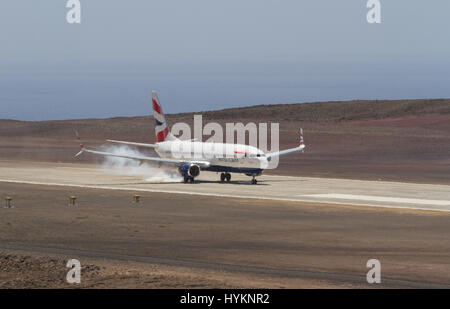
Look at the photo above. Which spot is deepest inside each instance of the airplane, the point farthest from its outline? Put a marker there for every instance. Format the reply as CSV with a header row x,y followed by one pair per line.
x,y
192,156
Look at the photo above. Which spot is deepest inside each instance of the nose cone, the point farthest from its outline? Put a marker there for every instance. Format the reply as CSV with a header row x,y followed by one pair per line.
x,y
263,163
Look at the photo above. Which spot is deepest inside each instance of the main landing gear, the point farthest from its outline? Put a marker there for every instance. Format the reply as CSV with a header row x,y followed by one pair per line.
x,y
188,179
225,176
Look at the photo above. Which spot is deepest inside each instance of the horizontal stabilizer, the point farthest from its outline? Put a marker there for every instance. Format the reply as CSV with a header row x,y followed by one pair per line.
x,y
133,144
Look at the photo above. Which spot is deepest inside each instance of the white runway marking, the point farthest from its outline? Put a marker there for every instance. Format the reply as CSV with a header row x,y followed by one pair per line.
x,y
380,199
307,198
271,187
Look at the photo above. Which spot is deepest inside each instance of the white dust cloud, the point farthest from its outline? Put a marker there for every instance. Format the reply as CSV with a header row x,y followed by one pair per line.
x,y
149,172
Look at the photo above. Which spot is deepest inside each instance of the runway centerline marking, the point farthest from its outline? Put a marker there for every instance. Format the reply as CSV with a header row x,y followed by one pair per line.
x,y
373,198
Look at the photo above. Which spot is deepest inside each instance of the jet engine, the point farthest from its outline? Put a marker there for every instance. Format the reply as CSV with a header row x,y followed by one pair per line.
x,y
189,169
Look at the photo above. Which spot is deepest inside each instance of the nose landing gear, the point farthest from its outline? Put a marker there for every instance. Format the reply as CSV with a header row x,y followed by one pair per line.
x,y
225,176
254,181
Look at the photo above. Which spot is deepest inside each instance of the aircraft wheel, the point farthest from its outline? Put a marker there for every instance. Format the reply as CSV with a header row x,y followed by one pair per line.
x,y
228,177
222,177
254,181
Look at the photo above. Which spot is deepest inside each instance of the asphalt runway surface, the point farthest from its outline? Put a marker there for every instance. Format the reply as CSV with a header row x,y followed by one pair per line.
x,y
302,189
290,232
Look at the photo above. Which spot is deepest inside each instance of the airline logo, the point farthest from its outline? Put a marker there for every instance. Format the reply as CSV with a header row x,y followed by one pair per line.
x,y
161,129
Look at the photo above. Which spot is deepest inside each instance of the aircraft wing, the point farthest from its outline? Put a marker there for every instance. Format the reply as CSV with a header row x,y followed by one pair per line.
x,y
300,147
143,159
140,144
285,152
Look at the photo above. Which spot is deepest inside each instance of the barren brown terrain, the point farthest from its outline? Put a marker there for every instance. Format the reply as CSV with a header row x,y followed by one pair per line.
x,y
407,140
171,241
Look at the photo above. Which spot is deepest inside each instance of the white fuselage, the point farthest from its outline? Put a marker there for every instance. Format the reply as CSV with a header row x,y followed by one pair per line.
x,y
217,154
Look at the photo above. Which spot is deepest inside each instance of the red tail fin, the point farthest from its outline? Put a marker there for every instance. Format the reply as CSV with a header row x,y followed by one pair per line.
x,y
161,129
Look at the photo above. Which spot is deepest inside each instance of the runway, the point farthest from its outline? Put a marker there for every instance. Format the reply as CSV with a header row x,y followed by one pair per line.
x,y
269,187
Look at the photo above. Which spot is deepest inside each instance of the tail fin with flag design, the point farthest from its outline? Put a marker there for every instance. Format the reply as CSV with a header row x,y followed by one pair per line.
x,y
161,129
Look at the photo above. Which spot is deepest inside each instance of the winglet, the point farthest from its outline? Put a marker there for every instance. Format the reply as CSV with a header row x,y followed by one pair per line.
x,y
302,141
81,144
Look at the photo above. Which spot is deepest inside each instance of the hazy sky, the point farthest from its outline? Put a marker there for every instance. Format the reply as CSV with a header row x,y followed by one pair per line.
x,y
211,54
